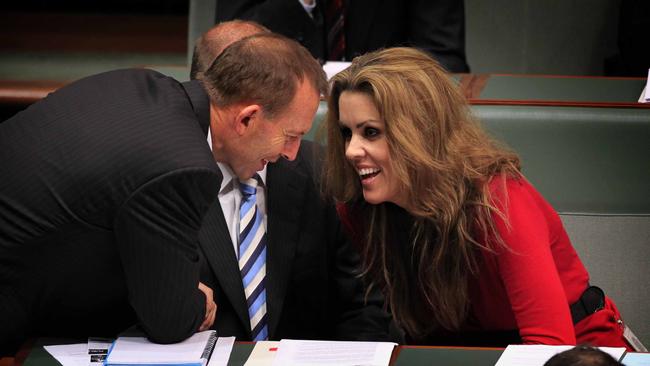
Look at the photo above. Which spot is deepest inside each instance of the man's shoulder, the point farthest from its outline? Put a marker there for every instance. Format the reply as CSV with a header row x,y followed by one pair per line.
x,y
125,79
131,73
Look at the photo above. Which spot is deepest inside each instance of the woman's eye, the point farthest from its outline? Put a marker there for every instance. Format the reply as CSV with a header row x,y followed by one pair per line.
x,y
371,132
346,133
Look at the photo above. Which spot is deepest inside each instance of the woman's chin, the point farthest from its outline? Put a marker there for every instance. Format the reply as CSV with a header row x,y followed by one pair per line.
x,y
373,199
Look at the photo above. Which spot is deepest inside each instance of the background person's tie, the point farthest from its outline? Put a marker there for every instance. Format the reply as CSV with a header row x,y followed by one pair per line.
x,y
334,19
252,258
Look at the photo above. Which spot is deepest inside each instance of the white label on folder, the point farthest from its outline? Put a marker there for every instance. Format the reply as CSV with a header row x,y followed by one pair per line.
x,y
221,353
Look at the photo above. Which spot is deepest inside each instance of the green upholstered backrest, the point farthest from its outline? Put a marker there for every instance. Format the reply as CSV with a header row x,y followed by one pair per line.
x,y
615,249
561,89
583,160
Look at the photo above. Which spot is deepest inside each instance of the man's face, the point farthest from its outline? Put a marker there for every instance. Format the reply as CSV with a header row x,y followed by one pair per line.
x,y
268,140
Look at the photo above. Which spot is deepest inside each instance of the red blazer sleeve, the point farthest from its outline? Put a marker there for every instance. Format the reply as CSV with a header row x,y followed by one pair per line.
x,y
528,271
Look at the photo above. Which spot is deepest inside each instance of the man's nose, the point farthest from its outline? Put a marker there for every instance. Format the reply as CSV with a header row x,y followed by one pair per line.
x,y
291,150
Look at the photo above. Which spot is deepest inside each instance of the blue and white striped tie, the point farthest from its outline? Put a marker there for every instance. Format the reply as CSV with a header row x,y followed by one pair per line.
x,y
252,258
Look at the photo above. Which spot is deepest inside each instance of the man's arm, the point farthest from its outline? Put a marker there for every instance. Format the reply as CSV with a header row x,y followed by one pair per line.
x,y
157,237
361,314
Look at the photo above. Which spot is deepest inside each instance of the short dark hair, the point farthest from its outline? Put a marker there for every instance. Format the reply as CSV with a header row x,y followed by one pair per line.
x,y
214,41
582,356
264,69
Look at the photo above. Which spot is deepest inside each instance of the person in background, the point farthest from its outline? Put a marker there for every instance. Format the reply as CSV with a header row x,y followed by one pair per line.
x,y
211,43
338,30
307,269
631,59
582,356
464,248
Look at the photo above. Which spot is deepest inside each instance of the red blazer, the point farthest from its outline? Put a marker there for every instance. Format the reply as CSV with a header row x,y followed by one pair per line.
x,y
530,286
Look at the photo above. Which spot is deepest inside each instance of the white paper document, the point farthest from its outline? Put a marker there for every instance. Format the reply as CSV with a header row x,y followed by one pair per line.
x,y
70,354
645,94
307,353
537,355
140,351
98,350
263,354
334,67
637,359
221,353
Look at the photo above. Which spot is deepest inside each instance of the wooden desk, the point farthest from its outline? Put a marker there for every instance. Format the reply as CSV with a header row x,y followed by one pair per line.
x,y
33,354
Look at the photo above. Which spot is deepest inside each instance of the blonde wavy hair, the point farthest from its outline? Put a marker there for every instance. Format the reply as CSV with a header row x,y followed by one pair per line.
x,y
443,160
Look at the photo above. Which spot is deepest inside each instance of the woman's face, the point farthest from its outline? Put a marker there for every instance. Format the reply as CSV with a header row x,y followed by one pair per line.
x,y
366,148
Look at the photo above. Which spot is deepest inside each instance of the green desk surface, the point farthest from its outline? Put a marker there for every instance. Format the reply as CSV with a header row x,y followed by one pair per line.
x,y
406,356
566,89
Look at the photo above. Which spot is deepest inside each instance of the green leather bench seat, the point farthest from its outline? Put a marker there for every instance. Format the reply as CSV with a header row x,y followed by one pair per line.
x,y
615,249
583,160
565,89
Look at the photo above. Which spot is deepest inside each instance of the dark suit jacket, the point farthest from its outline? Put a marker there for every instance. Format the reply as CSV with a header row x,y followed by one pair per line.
x,y
312,288
435,26
103,188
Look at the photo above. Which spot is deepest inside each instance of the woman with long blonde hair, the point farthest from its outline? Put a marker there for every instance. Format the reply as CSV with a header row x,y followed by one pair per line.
x,y
464,248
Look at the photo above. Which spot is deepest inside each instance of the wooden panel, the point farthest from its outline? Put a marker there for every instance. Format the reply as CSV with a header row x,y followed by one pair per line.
x,y
46,32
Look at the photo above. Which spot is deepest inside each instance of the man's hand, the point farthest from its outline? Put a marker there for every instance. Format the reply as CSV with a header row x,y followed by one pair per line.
x,y
210,308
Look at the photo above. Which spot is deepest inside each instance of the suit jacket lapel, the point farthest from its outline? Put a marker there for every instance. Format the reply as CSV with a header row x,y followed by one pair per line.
x,y
220,254
285,201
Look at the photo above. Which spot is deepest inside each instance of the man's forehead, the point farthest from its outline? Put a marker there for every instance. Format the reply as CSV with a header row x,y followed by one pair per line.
x,y
296,128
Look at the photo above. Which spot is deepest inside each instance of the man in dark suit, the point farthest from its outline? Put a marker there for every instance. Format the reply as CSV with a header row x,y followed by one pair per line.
x,y
435,26
312,288
104,187
311,283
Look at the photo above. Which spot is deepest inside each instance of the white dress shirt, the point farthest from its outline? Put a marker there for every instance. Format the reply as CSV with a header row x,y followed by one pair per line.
x,y
230,199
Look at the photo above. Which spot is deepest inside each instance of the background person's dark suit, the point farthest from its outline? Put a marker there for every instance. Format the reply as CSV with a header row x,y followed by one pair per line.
x,y
312,290
436,26
103,188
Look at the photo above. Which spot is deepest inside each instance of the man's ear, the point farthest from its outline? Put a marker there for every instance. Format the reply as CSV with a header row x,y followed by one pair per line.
x,y
247,118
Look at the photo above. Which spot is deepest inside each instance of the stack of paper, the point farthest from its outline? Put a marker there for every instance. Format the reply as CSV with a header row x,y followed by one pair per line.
x,y
194,351
334,67
645,94
537,355
70,354
291,352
